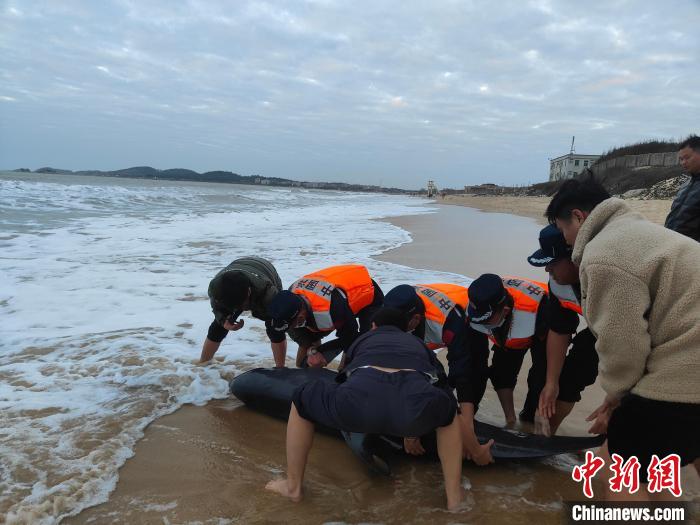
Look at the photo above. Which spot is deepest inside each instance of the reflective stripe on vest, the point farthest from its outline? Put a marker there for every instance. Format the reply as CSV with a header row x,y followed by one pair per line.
x,y
439,300
566,295
527,296
352,280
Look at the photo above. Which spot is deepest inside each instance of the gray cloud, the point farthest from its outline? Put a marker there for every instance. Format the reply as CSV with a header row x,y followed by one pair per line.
x,y
390,92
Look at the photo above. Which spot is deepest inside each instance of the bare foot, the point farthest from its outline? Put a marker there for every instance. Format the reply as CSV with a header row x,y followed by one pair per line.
x,y
455,502
280,486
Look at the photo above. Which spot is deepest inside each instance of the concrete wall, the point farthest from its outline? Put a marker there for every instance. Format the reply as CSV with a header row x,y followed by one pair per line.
x,y
639,161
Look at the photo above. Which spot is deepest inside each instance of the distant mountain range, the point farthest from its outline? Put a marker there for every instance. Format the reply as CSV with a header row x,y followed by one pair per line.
x,y
147,172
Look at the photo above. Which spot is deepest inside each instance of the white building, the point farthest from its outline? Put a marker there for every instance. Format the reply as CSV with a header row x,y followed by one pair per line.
x,y
569,165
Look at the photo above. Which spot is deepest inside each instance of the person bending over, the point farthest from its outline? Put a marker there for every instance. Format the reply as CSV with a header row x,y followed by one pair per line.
x,y
568,374
247,284
386,387
341,298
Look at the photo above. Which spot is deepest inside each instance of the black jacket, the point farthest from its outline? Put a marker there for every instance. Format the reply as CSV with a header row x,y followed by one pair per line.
x,y
684,216
265,284
390,347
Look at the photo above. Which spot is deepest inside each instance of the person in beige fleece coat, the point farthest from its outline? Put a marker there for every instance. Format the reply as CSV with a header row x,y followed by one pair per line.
x,y
640,293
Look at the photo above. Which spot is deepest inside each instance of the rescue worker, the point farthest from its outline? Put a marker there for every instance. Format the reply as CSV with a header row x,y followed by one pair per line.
x,y
437,311
512,314
436,314
396,373
567,375
341,298
247,284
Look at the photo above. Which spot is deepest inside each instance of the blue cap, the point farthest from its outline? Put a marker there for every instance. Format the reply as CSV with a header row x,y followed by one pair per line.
x,y
486,295
283,308
403,298
552,246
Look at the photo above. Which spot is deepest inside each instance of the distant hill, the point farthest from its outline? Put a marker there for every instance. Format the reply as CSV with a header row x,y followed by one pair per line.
x,y
147,172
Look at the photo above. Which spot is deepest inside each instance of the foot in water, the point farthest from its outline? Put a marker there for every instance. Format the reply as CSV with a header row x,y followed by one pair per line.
x,y
281,487
457,501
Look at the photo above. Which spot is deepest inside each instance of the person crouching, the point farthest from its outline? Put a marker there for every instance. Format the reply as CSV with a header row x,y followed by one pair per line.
x,y
387,386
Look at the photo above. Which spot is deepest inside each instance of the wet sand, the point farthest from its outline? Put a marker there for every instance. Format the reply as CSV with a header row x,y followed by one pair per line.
x,y
209,464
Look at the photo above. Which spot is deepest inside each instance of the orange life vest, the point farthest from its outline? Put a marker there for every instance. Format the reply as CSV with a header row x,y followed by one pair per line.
x,y
566,295
439,300
352,280
527,296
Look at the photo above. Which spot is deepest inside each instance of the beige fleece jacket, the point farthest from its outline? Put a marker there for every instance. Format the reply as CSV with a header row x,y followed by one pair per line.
x,y
640,292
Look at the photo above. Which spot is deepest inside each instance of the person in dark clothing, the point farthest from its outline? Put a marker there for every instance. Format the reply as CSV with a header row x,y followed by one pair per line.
x,y
346,307
684,216
567,375
512,313
390,384
247,284
449,321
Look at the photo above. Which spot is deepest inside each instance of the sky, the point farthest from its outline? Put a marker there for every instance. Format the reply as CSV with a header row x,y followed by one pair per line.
x,y
384,92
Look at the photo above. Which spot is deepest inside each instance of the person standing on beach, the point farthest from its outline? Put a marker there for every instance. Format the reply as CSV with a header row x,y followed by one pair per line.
x,y
436,314
639,291
247,284
567,375
512,314
385,368
341,298
684,216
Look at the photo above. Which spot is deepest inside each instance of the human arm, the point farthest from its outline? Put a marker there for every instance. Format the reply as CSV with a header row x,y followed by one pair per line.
x,y
344,320
278,344
557,345
467,358
472,449
215,335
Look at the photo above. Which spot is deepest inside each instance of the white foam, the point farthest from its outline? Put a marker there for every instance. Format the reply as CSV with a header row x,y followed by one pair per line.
x,y
104,309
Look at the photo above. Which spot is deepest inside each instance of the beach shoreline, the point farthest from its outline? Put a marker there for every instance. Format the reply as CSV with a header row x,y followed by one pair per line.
x,y
209,463
655,210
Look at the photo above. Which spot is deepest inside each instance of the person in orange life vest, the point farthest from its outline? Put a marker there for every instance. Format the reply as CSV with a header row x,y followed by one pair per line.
x,y
341,298
567,375
435,313
512,313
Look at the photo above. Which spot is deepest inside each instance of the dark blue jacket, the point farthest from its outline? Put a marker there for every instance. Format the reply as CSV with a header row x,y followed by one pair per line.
x,y
684,216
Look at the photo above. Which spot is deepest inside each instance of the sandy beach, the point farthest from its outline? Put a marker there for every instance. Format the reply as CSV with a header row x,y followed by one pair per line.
x,y
534,207
209,464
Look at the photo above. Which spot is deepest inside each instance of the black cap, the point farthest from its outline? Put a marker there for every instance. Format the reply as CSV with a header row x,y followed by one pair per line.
x,y
486,295
405,299
229,290
552,246
283,308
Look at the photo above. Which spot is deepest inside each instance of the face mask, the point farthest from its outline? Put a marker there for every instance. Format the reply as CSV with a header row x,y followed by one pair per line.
x,y
497,325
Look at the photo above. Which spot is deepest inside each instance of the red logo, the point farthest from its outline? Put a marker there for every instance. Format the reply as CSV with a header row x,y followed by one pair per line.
x,y
587,472
663,474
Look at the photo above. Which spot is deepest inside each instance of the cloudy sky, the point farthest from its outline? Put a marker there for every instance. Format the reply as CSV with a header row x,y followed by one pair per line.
x,y
383,92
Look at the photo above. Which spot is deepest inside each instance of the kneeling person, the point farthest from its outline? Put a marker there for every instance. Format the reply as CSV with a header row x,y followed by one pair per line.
x,y
341,298
386,387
